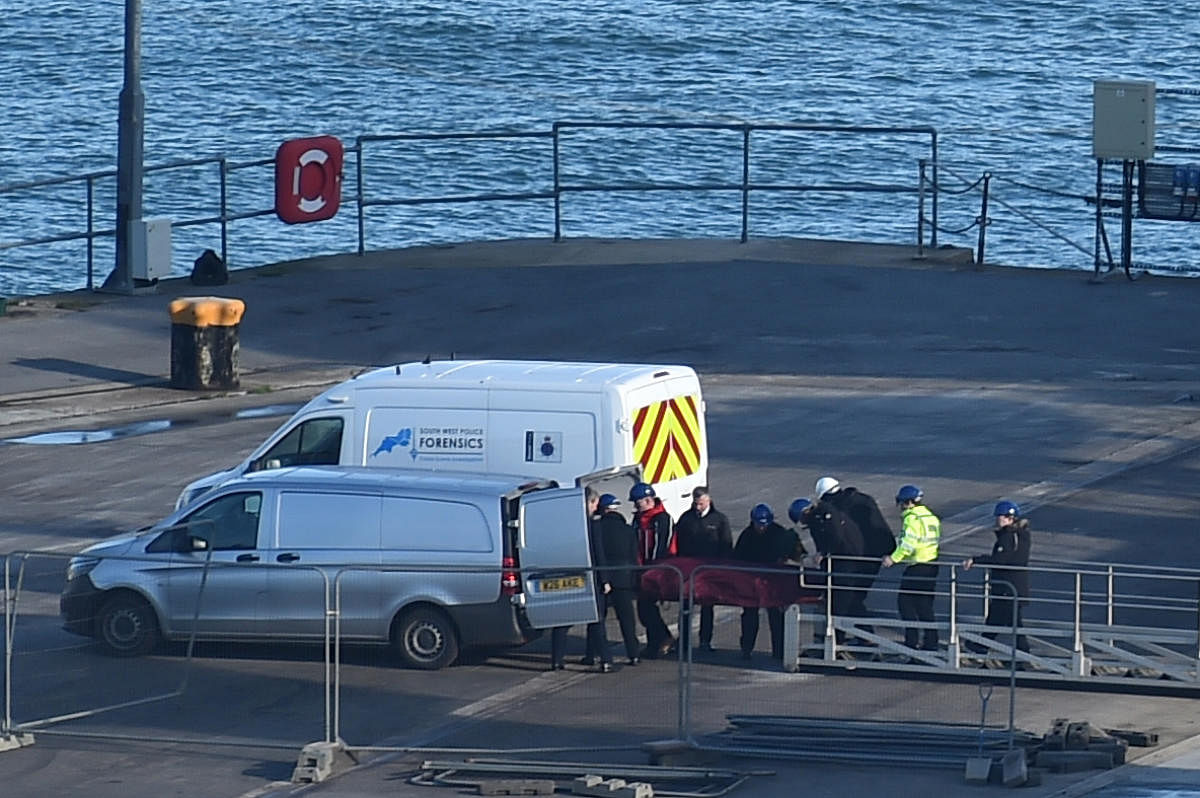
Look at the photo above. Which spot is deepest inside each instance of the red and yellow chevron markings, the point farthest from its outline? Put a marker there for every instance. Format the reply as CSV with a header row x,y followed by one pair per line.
x,y
667,438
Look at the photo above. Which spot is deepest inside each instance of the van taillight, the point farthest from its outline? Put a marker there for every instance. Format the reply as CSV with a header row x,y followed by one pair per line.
x,y
510,580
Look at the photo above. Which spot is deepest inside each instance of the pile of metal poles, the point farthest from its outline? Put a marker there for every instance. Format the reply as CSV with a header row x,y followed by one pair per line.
x,y
864,742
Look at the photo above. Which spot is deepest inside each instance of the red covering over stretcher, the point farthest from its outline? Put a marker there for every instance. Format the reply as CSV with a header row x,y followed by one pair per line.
x,y
717,585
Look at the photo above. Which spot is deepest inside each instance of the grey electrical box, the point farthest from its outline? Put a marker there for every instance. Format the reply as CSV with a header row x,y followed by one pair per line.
x,y
150,249
1123,119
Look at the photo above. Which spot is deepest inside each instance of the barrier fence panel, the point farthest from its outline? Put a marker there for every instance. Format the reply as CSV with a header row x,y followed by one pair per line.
x,y
109,664
517,702
739,701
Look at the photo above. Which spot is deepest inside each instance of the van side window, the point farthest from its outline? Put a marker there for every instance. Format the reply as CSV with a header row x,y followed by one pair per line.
x,y
317,441
424,525
328,521
230,522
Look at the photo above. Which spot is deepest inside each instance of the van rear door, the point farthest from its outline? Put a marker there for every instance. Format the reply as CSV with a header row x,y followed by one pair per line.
x,y
555,559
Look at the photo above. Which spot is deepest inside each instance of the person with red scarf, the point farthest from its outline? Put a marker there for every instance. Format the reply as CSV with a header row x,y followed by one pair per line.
x,y
656,541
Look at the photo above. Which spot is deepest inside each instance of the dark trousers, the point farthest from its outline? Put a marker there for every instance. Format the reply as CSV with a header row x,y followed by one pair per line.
x,y
558,644
865,572
620,600
657,633
750,629
847,601
706,624
1000,613
915,601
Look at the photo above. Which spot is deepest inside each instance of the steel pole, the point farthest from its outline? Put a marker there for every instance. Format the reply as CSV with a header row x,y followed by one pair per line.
x,y
130,138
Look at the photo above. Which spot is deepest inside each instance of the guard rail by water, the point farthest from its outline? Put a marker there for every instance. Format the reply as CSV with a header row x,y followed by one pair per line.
x,y
557,186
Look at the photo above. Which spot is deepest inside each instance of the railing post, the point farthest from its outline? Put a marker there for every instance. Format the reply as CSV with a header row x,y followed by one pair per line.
x,y
358,191
745,183
224,179
91,246
983,219
557,186
830,640
953,649
921,211
933,239
1078,661
8,638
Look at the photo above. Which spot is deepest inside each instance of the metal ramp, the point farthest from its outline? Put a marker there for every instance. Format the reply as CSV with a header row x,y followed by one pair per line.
x,y
1075,641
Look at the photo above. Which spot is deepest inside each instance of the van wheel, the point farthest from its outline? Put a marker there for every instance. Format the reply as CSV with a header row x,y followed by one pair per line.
x,y
126,626
425,639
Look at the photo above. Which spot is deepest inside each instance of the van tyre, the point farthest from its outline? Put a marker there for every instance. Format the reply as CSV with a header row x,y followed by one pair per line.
x,y
425,639
126,626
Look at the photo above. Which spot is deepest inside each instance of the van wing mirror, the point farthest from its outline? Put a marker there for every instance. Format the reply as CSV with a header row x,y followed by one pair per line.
x,y
196,543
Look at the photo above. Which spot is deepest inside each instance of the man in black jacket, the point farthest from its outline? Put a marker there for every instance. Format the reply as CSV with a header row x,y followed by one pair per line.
x,y
1010,549
766,543
703,531
619,543
878,539
837,536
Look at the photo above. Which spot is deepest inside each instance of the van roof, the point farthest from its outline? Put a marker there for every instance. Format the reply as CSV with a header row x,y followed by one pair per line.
x,y
351,477
526,373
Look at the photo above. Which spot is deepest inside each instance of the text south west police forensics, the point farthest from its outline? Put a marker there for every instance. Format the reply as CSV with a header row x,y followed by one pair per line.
x,y
443,438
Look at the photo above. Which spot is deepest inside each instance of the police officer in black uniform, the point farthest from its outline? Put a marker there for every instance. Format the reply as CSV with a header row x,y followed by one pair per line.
x,y
621,560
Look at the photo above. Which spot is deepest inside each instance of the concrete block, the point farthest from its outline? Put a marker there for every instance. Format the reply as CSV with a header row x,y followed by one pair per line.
x,y
1015,771
319,761
582,784
518,787
611,788
1073,761
11,742
977,770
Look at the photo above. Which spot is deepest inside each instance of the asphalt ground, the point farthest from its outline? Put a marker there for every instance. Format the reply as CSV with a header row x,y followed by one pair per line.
x,y
1075,398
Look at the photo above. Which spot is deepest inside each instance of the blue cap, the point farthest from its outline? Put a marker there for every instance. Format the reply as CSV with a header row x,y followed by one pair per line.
x,y
608,500
761,514
797,509
641,491
908,493
1007,508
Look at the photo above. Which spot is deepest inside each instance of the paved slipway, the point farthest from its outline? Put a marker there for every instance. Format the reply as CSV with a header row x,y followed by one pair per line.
x,y
1057,390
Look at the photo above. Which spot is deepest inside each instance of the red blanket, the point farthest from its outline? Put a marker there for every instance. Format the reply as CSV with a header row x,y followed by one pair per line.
x,y
724,582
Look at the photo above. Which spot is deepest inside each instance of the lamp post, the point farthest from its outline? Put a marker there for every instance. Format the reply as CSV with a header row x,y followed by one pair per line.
x,y
130,136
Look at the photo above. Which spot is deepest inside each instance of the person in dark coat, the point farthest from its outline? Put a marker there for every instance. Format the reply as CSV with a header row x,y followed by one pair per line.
x,y
836,536
878,538
1009,575
619,543
703,531
764,542
655,541
597,637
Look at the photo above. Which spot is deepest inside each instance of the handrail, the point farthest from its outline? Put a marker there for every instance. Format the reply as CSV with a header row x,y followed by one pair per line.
x,y
556,187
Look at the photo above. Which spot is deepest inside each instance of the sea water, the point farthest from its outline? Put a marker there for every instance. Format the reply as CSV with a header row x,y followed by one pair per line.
x,y
1007,85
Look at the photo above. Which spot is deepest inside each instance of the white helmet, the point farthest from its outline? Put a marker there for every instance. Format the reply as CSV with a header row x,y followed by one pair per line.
x,y
825,485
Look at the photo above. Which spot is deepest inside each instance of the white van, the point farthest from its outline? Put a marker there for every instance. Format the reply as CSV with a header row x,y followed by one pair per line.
x,y
550,420
429,563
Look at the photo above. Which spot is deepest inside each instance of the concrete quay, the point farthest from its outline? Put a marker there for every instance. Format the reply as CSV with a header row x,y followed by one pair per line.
x,y
1078,399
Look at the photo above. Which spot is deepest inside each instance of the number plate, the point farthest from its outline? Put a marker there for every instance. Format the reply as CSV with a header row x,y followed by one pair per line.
x,y
562,583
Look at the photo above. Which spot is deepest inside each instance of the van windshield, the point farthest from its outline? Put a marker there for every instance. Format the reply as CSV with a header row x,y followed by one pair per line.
x,y
317,441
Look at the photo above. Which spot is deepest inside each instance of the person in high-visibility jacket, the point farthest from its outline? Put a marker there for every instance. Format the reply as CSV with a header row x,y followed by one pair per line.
x,y
918,546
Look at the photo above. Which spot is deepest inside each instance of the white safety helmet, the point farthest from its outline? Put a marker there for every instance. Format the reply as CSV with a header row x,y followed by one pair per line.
x,y
825,485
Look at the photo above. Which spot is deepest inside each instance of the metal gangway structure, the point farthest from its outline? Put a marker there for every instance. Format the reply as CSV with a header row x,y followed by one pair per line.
x,y
1118,625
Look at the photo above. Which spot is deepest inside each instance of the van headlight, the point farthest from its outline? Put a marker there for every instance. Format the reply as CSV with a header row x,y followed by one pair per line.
x,y
79,567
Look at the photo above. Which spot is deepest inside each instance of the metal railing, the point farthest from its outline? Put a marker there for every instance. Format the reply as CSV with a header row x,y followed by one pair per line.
x,y
557,186
1122,627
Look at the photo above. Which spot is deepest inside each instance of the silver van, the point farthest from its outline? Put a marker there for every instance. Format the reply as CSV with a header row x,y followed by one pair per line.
x,y
428,563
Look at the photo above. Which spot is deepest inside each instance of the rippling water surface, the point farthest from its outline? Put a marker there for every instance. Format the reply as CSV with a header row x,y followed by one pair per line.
x,y
1007,84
